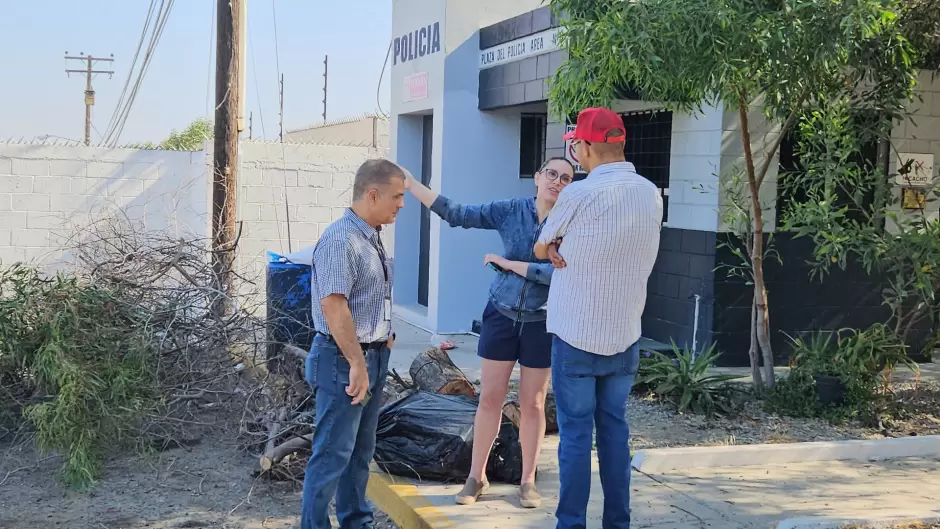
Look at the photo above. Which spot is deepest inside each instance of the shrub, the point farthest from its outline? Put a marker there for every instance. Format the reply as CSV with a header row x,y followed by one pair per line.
x,y
858,359
85,356
684,381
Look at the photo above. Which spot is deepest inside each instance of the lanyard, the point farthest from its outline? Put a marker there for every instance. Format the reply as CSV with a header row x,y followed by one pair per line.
x,y
380,250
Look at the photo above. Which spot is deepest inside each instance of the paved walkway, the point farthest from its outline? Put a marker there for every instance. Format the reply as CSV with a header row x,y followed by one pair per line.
x,y
732,498
727,498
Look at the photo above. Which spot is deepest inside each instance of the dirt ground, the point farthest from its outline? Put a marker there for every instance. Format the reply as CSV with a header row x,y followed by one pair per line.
x,y
211,484
205,486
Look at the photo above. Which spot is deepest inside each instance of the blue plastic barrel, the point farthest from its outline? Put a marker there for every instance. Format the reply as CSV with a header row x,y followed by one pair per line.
x,y
289,320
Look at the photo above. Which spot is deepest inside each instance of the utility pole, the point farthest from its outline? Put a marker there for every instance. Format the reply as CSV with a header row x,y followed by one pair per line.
x,y
251,119
228,93
281,101
326,59
89,72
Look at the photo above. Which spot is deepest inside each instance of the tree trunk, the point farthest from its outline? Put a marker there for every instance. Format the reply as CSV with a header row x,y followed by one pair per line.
x,y
753,351
757,250
511,411
434,371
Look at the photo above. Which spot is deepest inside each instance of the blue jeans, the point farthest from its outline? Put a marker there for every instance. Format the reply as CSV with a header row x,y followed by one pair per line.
x,y
593,390
344,438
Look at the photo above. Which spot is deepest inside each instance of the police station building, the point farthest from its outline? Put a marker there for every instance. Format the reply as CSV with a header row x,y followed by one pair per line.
x,y
469,118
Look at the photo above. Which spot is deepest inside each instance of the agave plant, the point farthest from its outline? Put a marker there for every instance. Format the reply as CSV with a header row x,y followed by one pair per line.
x,y
684,380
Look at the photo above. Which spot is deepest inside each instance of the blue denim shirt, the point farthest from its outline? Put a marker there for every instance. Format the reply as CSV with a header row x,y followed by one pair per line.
x,y
517,222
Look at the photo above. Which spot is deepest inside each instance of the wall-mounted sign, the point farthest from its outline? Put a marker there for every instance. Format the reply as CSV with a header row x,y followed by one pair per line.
x,y
570,154
912,198
416,87
417,44
914,170
544,42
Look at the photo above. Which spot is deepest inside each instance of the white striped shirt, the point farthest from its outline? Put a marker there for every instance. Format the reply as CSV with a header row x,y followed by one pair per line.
x,y
609,224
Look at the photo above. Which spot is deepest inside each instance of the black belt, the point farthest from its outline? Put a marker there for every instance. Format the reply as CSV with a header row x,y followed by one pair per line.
x,y
373,346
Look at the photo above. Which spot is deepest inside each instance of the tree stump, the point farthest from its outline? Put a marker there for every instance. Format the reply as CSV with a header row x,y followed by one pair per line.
x,y
434,371
511,411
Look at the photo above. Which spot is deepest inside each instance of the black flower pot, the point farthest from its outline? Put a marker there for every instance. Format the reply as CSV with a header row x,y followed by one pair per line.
x,y
830,390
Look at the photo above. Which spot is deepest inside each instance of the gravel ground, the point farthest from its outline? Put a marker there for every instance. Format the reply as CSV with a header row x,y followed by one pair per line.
x,y
653,425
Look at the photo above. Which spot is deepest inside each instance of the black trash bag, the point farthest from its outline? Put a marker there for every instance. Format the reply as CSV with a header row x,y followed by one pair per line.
x,y
430,436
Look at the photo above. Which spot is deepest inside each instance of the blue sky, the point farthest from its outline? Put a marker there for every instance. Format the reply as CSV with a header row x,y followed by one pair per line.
x,y
37,98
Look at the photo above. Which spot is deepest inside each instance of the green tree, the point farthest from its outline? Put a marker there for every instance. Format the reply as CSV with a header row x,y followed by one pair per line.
x,y
774,56
189,139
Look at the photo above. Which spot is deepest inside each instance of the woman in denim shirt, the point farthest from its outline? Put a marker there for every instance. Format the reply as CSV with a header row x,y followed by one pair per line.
x,y
513,327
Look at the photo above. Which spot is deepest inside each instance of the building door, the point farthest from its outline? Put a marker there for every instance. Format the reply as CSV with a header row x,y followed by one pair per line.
x,y
424,237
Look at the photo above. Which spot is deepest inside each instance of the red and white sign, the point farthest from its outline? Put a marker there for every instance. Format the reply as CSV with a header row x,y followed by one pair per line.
x,y
570,154
416,87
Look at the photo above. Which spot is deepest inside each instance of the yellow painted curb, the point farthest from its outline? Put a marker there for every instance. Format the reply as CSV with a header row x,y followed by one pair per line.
x,y
404,503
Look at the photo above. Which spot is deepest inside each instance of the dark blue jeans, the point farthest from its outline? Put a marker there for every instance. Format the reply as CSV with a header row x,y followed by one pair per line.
x,y
593,390
344,438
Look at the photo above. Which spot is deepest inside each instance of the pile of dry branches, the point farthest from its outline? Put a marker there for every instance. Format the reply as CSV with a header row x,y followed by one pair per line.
x,y
201,353
126,333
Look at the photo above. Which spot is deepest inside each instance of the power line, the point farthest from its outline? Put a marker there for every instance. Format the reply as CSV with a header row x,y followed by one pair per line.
x,y
211,66
254,67
158,33
378,89
277,56
130,70
162,17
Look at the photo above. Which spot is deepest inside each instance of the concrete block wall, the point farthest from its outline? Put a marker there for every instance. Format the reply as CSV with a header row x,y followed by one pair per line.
x,y
518,82
312,184
763,134
47,192
694,162
522,81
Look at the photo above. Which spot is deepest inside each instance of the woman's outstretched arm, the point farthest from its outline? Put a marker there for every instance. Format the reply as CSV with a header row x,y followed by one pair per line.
x,y
489,216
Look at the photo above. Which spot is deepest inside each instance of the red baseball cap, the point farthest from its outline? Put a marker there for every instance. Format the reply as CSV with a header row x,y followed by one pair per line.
x,y
595,123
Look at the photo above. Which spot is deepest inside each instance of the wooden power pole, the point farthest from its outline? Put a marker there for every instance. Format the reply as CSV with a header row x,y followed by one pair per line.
x,y
228,92
89,72
326,59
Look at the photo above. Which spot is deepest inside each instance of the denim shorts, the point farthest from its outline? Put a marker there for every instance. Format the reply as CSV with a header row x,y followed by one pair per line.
x,y
505,340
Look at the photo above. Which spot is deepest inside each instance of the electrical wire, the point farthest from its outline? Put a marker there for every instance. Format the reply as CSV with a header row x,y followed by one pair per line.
x,y
163,14
254,68
378,89
161,25
210,67
130,71
277,55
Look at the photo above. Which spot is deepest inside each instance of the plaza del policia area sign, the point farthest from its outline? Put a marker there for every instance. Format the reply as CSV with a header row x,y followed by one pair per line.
x,y
543,42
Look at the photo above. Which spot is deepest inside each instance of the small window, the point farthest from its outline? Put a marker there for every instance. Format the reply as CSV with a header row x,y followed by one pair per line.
x,y
532,144
649,146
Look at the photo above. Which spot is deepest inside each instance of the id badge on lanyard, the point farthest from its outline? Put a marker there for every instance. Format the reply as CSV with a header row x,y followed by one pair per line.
x,y
387,302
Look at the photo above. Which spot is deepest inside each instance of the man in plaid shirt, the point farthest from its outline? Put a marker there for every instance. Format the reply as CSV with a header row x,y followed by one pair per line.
x,y
348,363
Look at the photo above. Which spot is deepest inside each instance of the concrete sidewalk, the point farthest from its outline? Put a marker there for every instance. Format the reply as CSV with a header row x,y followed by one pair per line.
x,y
756,497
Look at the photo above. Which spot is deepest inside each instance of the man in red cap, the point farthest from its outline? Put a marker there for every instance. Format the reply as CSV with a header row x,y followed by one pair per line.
x,y
610,224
